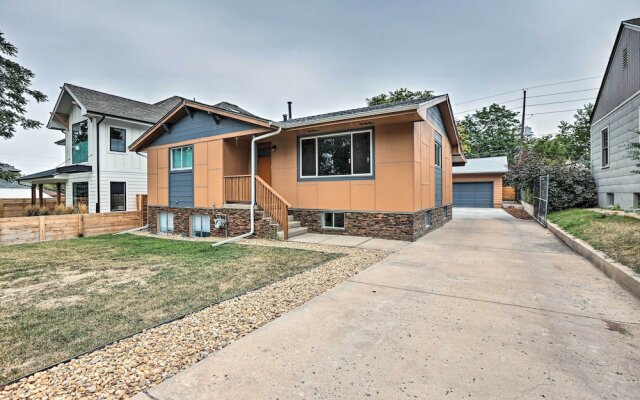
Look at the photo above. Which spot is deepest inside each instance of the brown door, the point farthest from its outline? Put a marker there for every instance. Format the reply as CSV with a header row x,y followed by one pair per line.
x,y
264,162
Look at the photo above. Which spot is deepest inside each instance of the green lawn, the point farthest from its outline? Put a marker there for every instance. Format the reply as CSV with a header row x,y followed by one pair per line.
x,y
616,236
58,299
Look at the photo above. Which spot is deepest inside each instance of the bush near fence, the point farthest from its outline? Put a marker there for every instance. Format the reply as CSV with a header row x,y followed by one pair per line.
x,y
16,207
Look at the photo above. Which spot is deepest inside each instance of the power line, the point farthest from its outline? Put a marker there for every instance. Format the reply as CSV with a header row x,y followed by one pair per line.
x,y
551,112
554,102
530,87
480,108
570,91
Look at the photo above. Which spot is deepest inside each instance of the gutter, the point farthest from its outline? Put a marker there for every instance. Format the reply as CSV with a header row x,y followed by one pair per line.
x,y
98,162
253,188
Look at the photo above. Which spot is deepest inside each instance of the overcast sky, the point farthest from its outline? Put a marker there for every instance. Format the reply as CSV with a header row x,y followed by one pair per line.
x,y
322,55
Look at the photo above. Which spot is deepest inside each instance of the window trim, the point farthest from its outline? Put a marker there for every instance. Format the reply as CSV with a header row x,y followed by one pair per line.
x,y
111,196
602,148
125,140
344,220
352,176
171,168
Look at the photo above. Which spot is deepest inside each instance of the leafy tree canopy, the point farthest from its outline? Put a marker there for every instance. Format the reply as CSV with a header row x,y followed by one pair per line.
x,y
15,86
490,132
575,137
398,95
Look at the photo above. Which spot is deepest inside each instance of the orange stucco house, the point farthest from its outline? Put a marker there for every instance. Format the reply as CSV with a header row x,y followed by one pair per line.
x,y
382,171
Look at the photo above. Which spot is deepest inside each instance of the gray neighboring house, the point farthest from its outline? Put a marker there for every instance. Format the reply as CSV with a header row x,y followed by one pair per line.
x,y
615,122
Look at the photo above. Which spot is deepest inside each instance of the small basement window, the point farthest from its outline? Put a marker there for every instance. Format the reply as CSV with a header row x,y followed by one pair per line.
x,y
636,200
427,218
333,220
200,225
165,223
610,199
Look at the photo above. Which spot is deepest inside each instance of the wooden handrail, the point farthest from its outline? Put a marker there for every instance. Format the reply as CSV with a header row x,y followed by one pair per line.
x,y
274,204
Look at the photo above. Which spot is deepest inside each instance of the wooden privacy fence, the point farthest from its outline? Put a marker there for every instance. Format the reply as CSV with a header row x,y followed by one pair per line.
x,y
141,206
15,207
508,193
55,227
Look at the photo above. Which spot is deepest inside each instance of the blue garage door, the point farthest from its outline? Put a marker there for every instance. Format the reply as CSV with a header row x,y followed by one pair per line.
x,y
473,194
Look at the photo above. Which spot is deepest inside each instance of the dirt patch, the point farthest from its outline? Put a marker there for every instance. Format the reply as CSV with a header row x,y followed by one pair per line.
x,y
517,212
59,302
616,327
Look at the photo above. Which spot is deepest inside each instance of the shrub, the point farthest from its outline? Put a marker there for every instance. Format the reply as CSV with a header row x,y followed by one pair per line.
x,y
32,211
62,209
571,185
81,208
35,210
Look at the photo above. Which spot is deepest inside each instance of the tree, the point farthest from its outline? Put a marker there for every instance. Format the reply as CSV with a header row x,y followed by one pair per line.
x,y
491,131
570,184
8,172
575,137
15,86
398,95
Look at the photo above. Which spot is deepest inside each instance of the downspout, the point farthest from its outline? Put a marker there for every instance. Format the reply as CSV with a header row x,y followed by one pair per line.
x,y
253,188
98,162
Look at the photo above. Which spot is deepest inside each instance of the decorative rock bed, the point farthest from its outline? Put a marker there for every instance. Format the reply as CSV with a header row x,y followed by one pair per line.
x,y
131,365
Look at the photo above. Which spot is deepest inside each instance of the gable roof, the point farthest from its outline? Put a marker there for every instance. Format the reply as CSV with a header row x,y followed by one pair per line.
x,y
223,109
12,185
486,165
356,112
635,22
104,103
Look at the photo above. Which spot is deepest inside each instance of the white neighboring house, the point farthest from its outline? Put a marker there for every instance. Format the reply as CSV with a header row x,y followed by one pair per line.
x,y
99,170
14,190
615,122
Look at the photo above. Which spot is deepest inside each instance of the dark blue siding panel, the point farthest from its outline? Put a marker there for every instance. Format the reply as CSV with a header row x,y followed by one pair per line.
x,y
433,115
438,186
181,189
198,126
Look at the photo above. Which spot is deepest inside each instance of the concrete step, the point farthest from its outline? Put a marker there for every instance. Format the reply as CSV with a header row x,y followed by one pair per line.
x,y
294,224
290,218
293,232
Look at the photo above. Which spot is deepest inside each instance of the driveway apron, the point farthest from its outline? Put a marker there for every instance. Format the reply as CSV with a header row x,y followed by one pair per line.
x,y
486,307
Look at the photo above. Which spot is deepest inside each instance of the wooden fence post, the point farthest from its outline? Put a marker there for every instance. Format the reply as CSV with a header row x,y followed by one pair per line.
x,y
1,208
80,225
42,235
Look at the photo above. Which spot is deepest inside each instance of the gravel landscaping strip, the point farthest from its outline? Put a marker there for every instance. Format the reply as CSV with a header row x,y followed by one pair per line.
x,y
131,365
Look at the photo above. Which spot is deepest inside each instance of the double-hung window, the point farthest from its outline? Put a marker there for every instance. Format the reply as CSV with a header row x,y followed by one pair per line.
x,y
80,142
336,155
604,136
438,153
182,158
118,140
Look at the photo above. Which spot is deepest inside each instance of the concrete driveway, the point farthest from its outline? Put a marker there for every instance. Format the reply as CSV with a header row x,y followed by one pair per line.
x,y
487,307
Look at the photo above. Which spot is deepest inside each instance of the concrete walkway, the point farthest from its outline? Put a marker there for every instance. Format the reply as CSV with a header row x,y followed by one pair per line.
x,y
362,242
487,307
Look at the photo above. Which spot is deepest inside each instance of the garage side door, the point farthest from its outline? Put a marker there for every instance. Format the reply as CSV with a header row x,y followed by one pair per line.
x,y
473,194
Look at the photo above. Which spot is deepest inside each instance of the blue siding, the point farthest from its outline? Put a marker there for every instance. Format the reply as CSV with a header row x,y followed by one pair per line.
x,y
181,189
198,126
434,116
438,140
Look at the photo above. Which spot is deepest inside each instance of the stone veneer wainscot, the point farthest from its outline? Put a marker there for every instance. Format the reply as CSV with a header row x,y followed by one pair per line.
x,y
398,226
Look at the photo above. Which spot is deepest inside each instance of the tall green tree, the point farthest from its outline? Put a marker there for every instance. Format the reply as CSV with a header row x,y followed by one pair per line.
x,y
490,132
398,95
575,136
15,87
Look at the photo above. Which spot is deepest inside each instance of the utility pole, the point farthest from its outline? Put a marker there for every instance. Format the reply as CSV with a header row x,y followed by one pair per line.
x,y
524,107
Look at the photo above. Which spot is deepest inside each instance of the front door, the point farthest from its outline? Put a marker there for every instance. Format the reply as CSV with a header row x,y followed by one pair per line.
x,y
264,162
